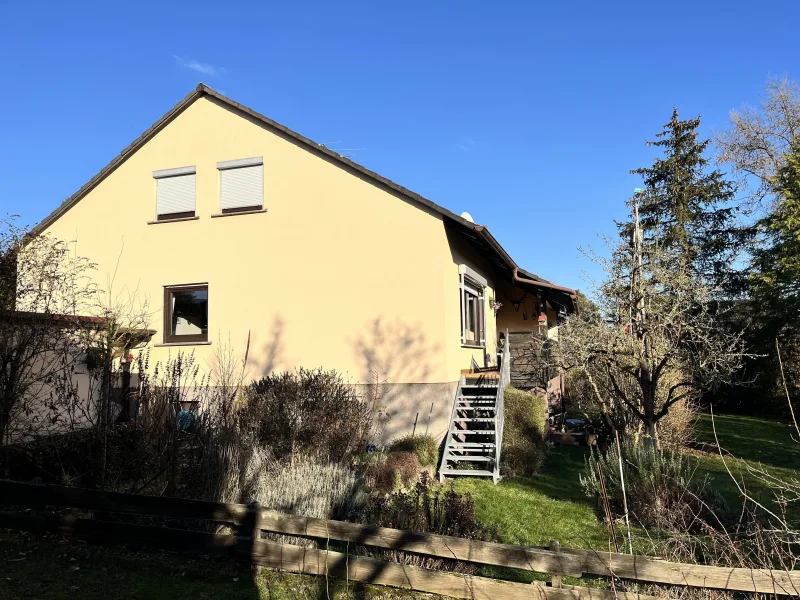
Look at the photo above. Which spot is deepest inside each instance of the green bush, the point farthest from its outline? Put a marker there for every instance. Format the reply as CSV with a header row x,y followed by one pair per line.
x,y
661,487
424,446
524,433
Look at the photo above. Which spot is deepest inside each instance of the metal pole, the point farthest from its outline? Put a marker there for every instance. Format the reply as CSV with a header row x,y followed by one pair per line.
x,y
427,427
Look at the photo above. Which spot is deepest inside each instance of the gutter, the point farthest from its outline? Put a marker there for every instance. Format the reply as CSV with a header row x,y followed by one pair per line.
x,y
573,295
515,277
549,286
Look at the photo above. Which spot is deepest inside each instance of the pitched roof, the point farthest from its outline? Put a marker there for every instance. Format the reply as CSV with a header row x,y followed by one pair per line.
x,y
473,230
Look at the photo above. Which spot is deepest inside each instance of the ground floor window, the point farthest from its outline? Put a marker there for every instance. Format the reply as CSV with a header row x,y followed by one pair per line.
x,y
473,314
186,313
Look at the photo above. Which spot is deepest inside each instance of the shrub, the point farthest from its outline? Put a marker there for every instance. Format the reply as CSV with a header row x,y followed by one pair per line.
x,y
660,487
304,487
424,446
429,508
676,429
248,473
243,472
308,413
524,432
399,470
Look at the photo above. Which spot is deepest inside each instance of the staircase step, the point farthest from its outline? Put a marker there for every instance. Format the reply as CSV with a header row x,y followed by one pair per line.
x,y
470,458
474,419
478,397
468,472
475,386
476,408
473,431
469,445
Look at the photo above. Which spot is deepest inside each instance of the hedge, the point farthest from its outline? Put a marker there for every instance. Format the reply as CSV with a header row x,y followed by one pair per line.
x,y
524,433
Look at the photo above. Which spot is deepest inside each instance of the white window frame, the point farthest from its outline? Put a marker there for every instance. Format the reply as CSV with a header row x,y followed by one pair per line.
x,y
472,283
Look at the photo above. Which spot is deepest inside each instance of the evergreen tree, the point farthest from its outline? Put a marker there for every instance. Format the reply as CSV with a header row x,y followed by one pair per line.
x,y
687,210
775,282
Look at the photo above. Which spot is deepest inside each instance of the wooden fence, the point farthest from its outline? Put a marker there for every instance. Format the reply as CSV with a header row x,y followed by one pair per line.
x,y
247,544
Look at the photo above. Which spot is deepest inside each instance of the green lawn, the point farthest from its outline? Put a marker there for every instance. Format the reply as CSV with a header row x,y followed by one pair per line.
x,y
550,506
764,440
533,511
757,444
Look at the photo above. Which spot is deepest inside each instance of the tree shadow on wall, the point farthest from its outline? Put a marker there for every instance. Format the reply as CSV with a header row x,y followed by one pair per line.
x,y
270,356
399,352
397,357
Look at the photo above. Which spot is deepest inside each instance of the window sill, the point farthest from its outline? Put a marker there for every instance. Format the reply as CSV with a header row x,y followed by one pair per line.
x,y
163,344
255,211
473,346
195,218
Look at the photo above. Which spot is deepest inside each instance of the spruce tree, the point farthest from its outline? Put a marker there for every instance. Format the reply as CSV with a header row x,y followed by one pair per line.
x,y
775,282
688,210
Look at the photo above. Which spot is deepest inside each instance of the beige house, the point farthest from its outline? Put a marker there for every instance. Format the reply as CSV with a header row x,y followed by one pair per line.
x,y
231,225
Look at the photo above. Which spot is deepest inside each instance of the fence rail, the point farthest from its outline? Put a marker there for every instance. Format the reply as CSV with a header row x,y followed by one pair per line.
x,y
249,522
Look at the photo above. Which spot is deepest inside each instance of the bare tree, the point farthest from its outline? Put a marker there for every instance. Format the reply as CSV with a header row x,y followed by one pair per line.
x,y
42,330
759,137
61,343
660,340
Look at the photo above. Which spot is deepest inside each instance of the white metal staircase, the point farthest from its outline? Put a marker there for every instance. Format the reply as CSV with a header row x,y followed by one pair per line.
x,y
475,438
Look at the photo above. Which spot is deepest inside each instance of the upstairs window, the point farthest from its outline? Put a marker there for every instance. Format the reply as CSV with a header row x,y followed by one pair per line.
x,y
241,185
175,193
473,313
186,313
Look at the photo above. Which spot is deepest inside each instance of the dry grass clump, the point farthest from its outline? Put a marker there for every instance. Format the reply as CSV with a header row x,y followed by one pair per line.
x,y
663,490
427,507
305,487
676,429
425,447
400,470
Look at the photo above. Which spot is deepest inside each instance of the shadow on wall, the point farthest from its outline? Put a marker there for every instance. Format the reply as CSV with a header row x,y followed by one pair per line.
x,y
397,361
270,356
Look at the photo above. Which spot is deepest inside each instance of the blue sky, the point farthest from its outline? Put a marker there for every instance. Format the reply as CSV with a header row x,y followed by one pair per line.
x,y
528,115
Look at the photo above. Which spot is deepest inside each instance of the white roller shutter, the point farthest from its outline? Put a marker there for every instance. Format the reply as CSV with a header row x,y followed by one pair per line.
x,y
241,184
175,192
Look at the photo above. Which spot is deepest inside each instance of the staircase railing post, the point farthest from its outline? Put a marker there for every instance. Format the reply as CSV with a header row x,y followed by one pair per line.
x,y
499,413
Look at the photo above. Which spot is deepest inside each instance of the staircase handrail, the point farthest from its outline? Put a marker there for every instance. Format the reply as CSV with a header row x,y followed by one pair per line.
x,y
499,413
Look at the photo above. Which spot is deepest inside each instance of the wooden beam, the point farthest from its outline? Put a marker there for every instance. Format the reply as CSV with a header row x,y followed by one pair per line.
x,y
310,560
654,570
28,494
370,570
572,562
486,553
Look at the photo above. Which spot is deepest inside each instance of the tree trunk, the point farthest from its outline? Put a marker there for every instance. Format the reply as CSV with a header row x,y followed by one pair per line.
x,y
649,406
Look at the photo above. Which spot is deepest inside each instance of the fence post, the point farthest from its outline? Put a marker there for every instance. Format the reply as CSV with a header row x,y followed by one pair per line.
x,y
249,532
555,580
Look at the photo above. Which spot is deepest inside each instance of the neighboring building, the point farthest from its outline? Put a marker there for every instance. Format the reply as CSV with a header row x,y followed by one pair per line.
x,y
232,225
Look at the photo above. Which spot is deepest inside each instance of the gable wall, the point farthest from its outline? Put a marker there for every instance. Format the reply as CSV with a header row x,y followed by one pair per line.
x,y
339,273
